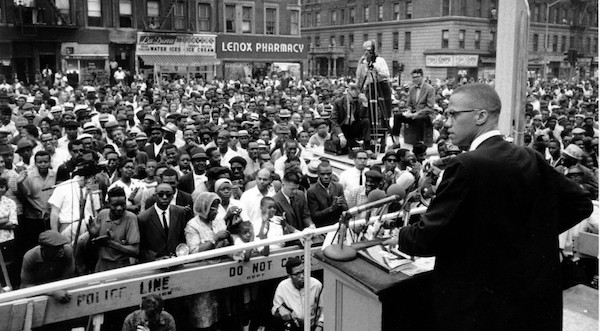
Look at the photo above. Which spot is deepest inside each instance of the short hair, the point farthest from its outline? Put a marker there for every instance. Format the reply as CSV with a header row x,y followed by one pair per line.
x,y
40,154
210,150
486,97
32,130
417,71
264,201
323,164
170,146
74,143
291,264
154,301
116,191
401,153
124,161
169,172
291,177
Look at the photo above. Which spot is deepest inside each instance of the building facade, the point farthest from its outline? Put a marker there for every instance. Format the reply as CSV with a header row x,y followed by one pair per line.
x,y
89,39
447,38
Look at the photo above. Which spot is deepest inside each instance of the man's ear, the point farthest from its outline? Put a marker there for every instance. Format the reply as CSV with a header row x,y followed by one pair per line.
x,y
482,117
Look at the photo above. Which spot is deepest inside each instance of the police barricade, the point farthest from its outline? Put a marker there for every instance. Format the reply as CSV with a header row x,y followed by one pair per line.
x,y
170,278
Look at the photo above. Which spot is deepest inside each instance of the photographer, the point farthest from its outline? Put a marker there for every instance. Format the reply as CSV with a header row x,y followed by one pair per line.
x,y
151,316
373,75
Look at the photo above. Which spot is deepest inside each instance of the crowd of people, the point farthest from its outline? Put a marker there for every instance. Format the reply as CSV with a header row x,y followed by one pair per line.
x,y
94,178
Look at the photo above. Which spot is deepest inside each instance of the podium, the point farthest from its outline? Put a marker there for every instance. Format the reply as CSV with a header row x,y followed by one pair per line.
x,y
359,296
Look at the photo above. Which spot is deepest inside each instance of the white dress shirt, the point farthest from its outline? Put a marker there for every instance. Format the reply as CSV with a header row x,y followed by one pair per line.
x,y
160,215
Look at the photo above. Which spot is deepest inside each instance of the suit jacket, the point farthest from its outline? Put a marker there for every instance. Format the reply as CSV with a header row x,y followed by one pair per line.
x,y
153,242
339,113
423,106
297,214
152,154
183,199
186,183
320,201
493,227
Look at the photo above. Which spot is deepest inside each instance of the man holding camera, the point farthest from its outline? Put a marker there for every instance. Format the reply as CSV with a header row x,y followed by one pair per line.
x,y
373,77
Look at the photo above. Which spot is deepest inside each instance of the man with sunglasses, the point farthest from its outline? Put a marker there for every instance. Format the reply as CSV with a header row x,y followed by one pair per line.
x,y
161,226
493,226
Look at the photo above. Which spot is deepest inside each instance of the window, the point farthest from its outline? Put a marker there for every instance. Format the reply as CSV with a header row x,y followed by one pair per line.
x,y
203,17
589,44
563,43
94,13
397,11
308,22
351,41
63,7
153,13
556,15
478,8
595,48
317,19
342,40
461,39
365,37
229,18
555,43
351,14
366,14
247,19
463,7
407,40
477,39
536,13
333,16
445,38
380,13
536,41
317,41
571,42
270,21
379,41
395,42
125,14
332,41
294,21
408,14
179,16
342,16
445,7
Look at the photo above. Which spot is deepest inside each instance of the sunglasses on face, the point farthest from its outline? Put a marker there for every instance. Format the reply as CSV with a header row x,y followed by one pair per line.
x,y
164,194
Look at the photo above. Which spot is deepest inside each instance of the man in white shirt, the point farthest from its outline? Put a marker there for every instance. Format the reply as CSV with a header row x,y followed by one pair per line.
x,y
251,198
373,76
291,148
354,177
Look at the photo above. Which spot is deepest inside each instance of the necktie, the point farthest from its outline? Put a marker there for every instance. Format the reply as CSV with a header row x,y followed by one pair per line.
x,y
360,182
166,227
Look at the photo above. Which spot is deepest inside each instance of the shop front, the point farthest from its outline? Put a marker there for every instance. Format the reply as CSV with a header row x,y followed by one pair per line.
x,y
458,66
170,56
256,57
85,63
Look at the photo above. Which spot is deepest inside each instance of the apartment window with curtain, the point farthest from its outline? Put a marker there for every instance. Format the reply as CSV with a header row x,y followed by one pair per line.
x,y
318,18
408,11
366,14
153,13
555,43
270,20
204,12
342,40
365,36
342,16
463,7
248,19
179,16
333,16
535,41
397,11
317,41
351,41
445,7
94,13
563,43
64,7
230,18
535,13
294,21
477,39
125,14
332,41
379,41
461,38
395,41
478,8
407,40
351,14
445,38
380,13
308,22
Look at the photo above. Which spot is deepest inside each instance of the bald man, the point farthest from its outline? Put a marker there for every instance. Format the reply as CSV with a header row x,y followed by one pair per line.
x,y
494,226
161,226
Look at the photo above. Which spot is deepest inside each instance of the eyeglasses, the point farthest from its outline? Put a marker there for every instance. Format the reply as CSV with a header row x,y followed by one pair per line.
x,y
452,113
164,194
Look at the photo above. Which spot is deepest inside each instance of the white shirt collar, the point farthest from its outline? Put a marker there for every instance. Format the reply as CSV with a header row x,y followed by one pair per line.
x,y
160,212
483,137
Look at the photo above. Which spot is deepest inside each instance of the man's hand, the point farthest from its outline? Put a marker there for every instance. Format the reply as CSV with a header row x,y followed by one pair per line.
x,y
22,176
392,242
93,227
61,296
285,314
221,235
343,141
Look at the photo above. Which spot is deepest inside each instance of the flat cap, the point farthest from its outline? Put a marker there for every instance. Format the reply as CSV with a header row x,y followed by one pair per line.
x,y
52,238
24,143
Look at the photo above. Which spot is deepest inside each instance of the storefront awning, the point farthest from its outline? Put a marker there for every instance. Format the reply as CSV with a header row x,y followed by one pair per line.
x,y
180,60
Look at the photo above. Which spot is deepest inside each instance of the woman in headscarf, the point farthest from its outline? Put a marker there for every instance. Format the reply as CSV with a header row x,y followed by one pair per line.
x,y
202,233
230,210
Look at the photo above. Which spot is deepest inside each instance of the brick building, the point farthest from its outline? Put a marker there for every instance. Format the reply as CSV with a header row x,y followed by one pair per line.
x,y
88,39
448,38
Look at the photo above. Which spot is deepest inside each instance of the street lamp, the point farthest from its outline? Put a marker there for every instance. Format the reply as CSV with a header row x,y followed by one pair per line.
x,y
547,38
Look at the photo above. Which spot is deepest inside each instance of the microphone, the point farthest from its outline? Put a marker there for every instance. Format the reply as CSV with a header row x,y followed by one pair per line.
x,y
373,196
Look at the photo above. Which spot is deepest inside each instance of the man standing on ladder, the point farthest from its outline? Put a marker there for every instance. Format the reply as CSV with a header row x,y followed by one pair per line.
x,y
373,76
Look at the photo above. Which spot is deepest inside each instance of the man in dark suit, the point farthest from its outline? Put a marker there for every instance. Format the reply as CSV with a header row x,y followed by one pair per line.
x,y
180,198
494,226
350,119
326,200
156,145
189,181
419,116
161,226
292,202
